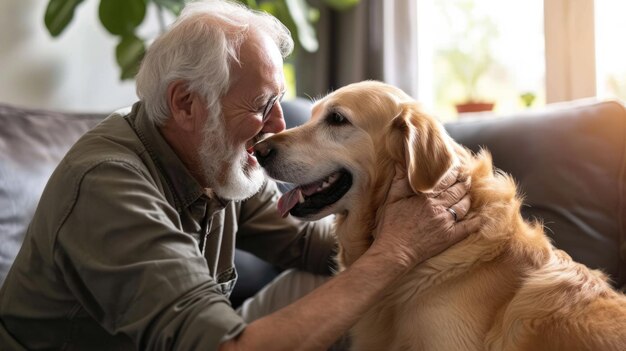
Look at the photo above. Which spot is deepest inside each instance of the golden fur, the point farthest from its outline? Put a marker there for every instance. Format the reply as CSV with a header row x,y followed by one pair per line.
x,y
503,288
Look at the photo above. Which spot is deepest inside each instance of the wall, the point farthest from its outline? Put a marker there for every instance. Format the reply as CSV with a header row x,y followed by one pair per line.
x,y
74,72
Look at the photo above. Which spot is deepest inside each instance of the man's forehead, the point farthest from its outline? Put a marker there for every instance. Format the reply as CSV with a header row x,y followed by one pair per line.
x,y
259,46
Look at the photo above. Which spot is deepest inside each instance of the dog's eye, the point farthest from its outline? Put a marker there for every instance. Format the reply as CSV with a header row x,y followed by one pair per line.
x,y
336,119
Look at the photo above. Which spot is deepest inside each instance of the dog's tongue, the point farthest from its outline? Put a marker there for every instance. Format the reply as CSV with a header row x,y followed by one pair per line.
x,y
291,198
288,201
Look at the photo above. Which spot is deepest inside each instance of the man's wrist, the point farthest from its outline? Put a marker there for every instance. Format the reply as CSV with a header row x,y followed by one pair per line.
x,y
396,261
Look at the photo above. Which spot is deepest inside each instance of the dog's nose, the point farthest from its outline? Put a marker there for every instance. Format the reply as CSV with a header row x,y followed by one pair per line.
x,y
264,152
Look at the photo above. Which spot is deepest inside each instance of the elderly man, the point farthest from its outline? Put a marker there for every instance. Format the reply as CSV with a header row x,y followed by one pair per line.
x,y
132,244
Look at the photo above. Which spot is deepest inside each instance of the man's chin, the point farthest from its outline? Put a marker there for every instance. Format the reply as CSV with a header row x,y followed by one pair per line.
x,y
241,186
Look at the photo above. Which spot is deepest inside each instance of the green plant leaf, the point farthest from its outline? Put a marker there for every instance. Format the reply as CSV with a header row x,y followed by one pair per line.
x,y
341,5
278,9
269,7
299,11
58,15
129,53
250,3
528,98
174,6
121,17
313,15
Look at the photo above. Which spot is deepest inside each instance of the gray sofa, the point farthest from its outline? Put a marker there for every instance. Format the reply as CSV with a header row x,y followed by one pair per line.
x,y
569,161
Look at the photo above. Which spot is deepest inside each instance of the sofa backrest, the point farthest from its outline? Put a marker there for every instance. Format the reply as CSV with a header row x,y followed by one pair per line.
x,y
32,143
570,163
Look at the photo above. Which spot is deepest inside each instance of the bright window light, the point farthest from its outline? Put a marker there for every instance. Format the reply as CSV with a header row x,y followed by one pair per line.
x,y
482,50
610,49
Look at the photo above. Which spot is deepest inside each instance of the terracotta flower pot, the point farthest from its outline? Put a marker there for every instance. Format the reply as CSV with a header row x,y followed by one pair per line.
x,y
474,107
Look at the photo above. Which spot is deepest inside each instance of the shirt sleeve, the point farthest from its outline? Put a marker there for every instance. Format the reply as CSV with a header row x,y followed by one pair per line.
x,y
285,242
123,255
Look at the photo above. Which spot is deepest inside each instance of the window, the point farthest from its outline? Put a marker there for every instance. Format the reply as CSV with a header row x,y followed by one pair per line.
x,y
610,50
511,53
487,51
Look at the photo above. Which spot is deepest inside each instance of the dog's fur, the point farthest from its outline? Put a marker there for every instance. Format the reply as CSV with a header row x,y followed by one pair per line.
x,y
503,288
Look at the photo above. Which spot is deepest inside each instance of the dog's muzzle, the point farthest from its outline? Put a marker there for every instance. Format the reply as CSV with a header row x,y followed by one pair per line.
x,y
265,152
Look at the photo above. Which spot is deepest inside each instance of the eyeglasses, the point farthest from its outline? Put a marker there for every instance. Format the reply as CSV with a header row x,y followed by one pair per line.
x,y
270,105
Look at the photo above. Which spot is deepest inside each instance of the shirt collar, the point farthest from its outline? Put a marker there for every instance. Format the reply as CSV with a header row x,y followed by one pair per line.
x,y
183,185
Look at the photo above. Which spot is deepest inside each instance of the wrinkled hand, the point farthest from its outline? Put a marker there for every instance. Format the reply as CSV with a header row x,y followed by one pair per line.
x,y
416,227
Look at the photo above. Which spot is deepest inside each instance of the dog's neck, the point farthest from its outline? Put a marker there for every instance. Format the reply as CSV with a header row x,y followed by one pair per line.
x,y
356,228
494,199
504,234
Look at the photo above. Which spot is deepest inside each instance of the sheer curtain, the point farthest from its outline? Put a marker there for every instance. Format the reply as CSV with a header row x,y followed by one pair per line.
x,y
399,34
377,39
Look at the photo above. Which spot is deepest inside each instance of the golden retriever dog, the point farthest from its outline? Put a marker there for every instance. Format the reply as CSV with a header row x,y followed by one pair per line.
x,y
503,288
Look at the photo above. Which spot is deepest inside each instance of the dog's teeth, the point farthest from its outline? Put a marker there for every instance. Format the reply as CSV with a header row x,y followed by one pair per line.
x,y
325,185
301,199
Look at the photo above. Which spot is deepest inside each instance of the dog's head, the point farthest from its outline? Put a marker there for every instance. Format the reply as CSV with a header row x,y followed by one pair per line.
x,y
352,144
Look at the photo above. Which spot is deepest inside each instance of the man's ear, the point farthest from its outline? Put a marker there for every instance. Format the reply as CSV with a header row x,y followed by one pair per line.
x,y
417,142
180,101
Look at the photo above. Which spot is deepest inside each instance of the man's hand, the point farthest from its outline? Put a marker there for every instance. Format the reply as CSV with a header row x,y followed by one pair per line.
x,y
416,227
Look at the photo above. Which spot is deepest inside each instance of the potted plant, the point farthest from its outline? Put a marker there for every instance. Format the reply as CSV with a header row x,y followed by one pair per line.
x,y
468,54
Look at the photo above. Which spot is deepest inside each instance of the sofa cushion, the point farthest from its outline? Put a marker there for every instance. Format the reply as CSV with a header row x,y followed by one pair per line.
x,y
32,143
569,161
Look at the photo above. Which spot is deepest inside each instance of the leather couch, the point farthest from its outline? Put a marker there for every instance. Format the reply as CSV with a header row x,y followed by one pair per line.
x,y
569,160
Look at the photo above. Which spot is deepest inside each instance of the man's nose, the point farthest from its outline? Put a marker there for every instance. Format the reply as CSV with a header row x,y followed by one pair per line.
x,y
265,152
275,122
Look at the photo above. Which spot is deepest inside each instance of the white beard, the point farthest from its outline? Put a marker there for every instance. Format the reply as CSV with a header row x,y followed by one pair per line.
x,y
225,167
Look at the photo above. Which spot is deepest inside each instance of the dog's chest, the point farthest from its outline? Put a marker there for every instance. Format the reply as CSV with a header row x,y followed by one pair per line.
x,y
454,315
423,325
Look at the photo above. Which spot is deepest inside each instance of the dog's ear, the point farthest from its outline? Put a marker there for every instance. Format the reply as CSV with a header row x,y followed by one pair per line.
x,y
418,143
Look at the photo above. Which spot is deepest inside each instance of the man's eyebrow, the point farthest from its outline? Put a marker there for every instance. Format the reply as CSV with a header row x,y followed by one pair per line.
x,y
263,98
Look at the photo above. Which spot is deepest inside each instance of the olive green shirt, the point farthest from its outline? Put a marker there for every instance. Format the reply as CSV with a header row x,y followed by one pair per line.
x,y
127,251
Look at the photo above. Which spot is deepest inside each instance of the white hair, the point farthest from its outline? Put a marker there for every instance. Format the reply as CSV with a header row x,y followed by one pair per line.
x,y
199,48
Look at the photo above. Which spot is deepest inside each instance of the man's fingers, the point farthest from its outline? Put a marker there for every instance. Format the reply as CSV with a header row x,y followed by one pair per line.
x,y
399,172
461,207
400,187
466,227
451,196
447,180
